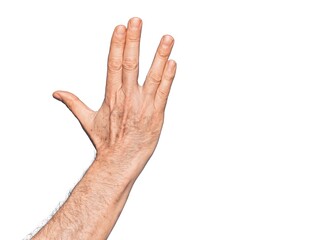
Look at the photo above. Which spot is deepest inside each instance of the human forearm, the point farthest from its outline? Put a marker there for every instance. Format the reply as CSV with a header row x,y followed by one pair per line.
x,y
93,206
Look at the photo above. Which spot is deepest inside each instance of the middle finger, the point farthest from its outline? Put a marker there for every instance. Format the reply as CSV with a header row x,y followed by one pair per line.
x,y
131,54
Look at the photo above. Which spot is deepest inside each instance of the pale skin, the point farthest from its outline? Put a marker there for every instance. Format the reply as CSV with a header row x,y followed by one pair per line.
x,y
124,131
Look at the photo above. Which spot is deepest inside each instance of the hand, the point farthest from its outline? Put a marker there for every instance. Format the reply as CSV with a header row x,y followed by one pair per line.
x,y
129,122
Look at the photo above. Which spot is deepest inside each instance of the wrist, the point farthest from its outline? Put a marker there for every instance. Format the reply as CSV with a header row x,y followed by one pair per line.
x,y
121,166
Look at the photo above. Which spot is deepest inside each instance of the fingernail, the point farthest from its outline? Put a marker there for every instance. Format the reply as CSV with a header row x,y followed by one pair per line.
x,y
167,40
57,96
120,29
171,65
135,22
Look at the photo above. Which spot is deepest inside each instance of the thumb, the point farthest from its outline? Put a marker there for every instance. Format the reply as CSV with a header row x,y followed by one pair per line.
x,y
76,106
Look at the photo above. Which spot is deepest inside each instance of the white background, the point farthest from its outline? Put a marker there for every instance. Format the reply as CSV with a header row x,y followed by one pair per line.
x,y
236,159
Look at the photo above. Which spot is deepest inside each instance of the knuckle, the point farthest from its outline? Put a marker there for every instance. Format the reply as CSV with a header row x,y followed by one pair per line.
x,y
154,77
72,102
169,77
163,94
133,37
163,53
116,114
130,64
117,43
114,65
118,39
